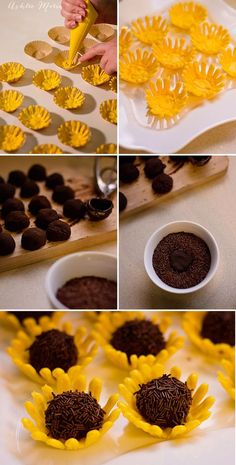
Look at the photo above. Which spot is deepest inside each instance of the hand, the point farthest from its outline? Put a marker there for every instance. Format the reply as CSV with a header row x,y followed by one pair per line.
x,y
108,51
74,11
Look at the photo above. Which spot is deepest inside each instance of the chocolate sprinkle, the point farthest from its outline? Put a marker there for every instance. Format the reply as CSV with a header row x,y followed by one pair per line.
x,y
219,327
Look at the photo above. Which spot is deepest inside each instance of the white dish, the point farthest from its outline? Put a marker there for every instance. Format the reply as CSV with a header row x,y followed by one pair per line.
x,y
135,136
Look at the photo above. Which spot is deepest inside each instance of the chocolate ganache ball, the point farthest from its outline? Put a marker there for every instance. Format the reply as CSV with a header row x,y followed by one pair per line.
x,y
38,202
29,189
33,239
53,180
1,180
219,327
12,205
74,209
162,183
17,178
62,193
122,202
16,221
127,159
37,173
153,167
45,217
7,191
7,244
128,172
21,316
58,231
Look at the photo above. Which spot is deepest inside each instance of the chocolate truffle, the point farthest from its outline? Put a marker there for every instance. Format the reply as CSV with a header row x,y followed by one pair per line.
x,y
127,159
17,178
153,167
62,193
45,217
162,183
74,209
53,180
29,189
1,180
58,231
7,244
33,239
53,349
179,158
138,337
164,401
7,191
122,202
16,221
21,316
38,202
12,205
73,415
128,172
89,292
219,327
199,160
99,209
37,173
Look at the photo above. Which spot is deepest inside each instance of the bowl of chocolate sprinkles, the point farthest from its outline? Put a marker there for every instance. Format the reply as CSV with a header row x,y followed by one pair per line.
x,y
130,339
71,416
161,404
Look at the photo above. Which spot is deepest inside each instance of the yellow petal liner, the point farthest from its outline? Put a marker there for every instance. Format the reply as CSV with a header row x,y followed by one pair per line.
x,y
107,149
129,410
94,75
173,53
228,61
113,84
47,79
110,322
62,60
203,80
108,110
209,38
35,117
38,49
149,29
46,149
18,350
59,34
185,14
11,72
11,322
192,325
165,100
227,377
125,40
12,138
36,410
74,133
10,100
69,98
138,67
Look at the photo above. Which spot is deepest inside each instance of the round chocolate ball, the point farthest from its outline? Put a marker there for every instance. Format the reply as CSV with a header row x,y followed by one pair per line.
x,y
33,239
37,173
7,191
45,217
58,231
122,201
179,158
153,167
12,205
16,221
219,327
53,180
21,316
29,189
7,244
128,172
99,208
37,203
164,401
162,183
74,209
17,178
127,159
62,193
1,180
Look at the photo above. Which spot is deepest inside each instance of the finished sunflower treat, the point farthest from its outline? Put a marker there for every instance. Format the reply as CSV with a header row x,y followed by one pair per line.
x,y
16,319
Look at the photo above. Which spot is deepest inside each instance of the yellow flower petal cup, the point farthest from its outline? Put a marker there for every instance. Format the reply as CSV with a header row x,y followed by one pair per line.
x,y
199,410
35,117
19,353
74,133
184,15
73,381
110,322
138,67
11,72
227,378
203,80
228,61
12,138
108,110
62,60
125,40
11,322
192,325
149,29
47,149
113,84
47,79
95,75
107,149
10,100
69,98
164,100
209,38
173,54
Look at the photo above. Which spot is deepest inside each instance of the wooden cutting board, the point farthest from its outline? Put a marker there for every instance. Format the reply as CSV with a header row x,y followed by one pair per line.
x,y
141,196
85,233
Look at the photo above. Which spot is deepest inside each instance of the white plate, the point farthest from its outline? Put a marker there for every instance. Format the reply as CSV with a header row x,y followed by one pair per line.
x,y
135,136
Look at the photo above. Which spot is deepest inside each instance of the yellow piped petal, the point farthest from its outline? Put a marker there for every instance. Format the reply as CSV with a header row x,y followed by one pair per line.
x,y
69,98
192,381
95,387
12,138
203,80
47,149
95,75
107,149
47,79
228,61
113,84
125,40
35,117
185,14
62,60
138,67
74,133
10,100
175,372
149,30
108,110
11,72
227,378
210,39
164,100
173,54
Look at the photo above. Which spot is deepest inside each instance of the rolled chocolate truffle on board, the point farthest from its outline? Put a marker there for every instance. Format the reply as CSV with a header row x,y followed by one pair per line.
x,y
162,183
7,244
99,208
179,158
7,191
12,205
38,202
128,172
17,178
16,221
122,202
37,173
199,160
74,209
29,189
53,180
219,327
45,217
62,193
125,159
1,180
33,239
153,167
58,231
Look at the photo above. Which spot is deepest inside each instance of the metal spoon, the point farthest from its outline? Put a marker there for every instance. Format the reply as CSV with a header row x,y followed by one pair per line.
x,y
105,177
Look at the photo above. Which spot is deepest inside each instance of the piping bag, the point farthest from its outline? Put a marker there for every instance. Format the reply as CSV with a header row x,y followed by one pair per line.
x,y
78,34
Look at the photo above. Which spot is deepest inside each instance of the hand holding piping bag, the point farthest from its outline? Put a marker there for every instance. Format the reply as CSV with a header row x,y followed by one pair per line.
x,y
74,11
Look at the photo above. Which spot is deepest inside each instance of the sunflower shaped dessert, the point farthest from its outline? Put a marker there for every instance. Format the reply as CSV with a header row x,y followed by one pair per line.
x,y
74,133
108,110
227,378
228,61
47,79
10,100
185,15
62,60
14,320
35,117
203,80
209,38
69,98
107,149
113,84
129,339
165,100
44,350
60,34
149,30
12,138
161,404
212,332
95,75
11,72
47,149
69,416
138,67
38,49
173,53
125,40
